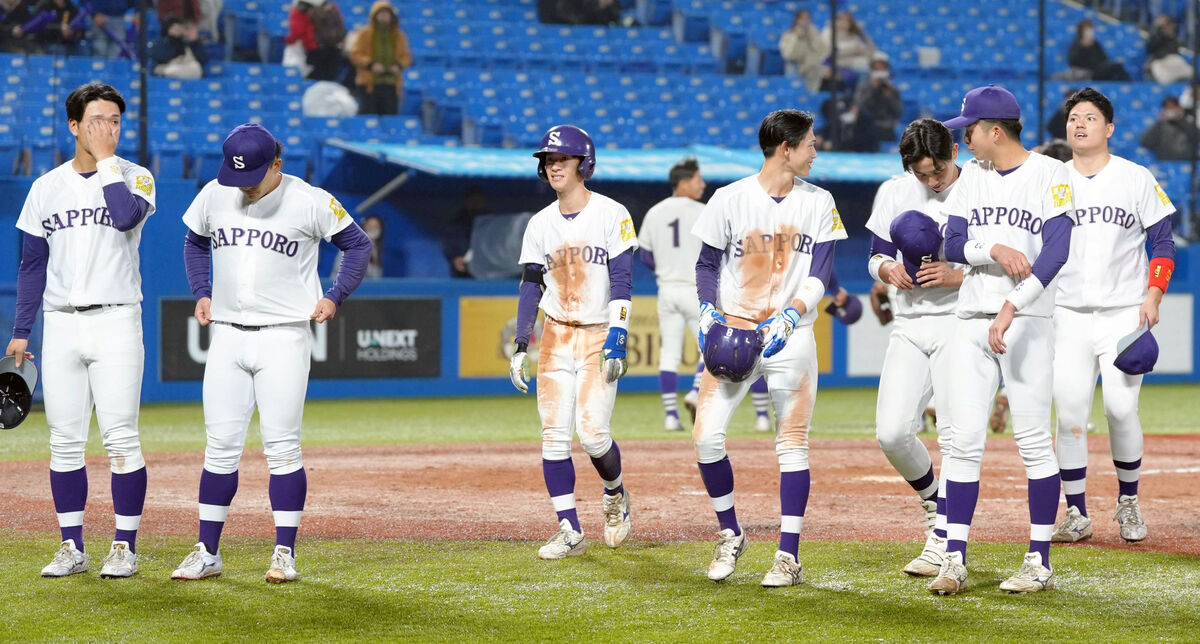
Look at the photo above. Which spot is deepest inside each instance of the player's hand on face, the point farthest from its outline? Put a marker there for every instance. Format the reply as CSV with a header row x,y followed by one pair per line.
x,y
996,332
939,274
893,273
101,138
709,315
1148,314
777,330
615,363
516,371
16,348
325,310
1013,261
203,313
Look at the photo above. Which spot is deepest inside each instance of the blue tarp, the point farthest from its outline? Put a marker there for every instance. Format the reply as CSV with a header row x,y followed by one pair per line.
x,y
718,164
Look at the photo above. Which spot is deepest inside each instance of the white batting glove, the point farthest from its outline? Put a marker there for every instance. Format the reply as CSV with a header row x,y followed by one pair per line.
x,y
778,329
516,371
709,315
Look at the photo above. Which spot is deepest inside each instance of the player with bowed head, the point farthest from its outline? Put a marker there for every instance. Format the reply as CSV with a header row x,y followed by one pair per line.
x,y
577,255
763,268
1106,290
1011,207
906,224
259,230
81,226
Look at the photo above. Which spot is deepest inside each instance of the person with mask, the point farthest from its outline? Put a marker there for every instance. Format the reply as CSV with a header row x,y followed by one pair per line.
x,y
1172,137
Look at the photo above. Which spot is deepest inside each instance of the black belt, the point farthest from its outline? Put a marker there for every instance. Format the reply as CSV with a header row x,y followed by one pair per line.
x,y
250,327
93,307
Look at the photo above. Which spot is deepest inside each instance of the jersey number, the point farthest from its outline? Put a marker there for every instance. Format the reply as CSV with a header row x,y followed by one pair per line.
x,y
674,225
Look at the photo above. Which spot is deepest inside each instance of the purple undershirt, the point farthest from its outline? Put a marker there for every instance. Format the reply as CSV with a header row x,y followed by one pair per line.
x,y
647,258
620,276
881,246
1005,173
31,283
126,209
1162,244
708,267
956,239
1056,243
197,257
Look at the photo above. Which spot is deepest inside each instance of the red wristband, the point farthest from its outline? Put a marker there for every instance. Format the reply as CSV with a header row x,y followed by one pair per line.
x,y
1160,272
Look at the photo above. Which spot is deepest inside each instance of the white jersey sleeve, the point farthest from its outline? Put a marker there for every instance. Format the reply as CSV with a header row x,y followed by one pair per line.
x,y
328,216
196,215
621,235
667,232
1108,266
135,177
883,208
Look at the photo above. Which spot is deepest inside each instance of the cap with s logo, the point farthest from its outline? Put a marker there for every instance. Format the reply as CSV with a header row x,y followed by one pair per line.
x,y
249,151
990,102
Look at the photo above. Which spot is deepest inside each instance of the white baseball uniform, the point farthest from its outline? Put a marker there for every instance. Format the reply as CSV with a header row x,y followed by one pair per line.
x,y
571,386
91,358
915,366
769,249
1100,291
265,288
1004,208
667,233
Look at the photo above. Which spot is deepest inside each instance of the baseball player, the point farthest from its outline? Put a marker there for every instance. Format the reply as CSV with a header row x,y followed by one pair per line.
x,y
668,247
81,226
259,231
766,260
916,357
1010,208
1105,291
577,255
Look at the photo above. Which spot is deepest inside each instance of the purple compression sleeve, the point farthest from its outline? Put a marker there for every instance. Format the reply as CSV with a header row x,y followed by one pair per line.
x,y
527,304
197,259
1056,243
708,277
126,209
356,252
620,276
31,284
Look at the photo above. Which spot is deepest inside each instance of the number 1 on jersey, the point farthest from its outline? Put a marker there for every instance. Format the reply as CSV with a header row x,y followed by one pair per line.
x,y
674,225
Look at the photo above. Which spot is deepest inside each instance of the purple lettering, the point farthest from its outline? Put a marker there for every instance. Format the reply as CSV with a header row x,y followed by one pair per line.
x,y
805,245
236,234
280,246
292,247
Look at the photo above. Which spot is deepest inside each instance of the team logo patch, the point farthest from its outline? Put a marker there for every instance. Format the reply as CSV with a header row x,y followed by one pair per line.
x,y
144,183
627,230
837,221
336,208
1162,196
1061,194
114,169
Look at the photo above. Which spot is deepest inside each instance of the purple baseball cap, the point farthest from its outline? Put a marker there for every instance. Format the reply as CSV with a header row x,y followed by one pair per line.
x,y
249,151
989,102
1137,352
848,313
917,237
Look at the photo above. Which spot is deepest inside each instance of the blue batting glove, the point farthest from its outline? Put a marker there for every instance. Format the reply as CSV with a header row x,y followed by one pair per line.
x,y
777,330
709,315
615,363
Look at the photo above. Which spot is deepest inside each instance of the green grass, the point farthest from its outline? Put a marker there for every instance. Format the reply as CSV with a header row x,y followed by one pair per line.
x,y
490,591
840,413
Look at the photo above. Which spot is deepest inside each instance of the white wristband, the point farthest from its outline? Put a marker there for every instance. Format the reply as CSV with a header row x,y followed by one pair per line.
x,y
109,171
618,314
811,292
979,253
1026,292
875,263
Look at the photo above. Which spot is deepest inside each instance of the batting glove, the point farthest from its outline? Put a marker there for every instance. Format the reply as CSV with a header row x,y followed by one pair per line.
x,y
615,363
516,371
778,329
709,315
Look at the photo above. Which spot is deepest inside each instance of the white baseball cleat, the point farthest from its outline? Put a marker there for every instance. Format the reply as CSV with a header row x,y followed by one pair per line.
x,y
729,548
283,566
952,577
1031,578
762,423
1074,527
199,564
929,562
930,508
616,519
785,572
67,561
565,543
119,562
672,424
689,403
1129,516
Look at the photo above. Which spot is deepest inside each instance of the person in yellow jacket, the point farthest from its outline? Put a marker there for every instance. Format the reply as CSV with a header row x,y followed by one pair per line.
x,y
380,53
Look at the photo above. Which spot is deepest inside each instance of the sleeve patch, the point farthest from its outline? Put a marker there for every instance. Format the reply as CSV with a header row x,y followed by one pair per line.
x,y
336,208
1162,196
1061,194
144,183
627,233
837,221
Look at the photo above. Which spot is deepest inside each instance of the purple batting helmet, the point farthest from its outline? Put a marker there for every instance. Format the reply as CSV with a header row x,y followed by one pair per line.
x,y
917,237
847,313
16,390
731,353
1137,352
569,140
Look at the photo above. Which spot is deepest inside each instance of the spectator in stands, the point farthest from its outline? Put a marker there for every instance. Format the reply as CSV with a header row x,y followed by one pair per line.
x,y
1088,59
178,53
1172,137
878,101
1056,149
54,27
845,129
580,12
107,31
854,46
380,53
1057,125
1163,60
180,10
13,14
458,234
804,49
1189,100
318,26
